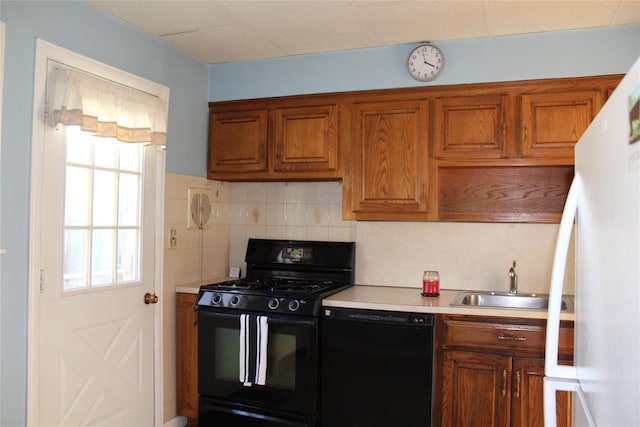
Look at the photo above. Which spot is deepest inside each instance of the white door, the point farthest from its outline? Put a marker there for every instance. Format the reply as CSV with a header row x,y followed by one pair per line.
x,y
93,337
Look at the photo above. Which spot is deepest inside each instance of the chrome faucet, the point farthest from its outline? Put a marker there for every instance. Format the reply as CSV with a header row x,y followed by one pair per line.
x,y
513,279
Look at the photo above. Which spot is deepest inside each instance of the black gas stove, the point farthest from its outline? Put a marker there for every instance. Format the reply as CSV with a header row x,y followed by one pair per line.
x,y
285,276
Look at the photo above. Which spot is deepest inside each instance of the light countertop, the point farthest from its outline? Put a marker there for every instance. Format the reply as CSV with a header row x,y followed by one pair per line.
x,y
394,298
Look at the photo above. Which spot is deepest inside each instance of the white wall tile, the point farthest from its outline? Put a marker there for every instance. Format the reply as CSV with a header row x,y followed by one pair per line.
x,y
238,192
275,231
238,213
256,213
237,235
296,233
318,192
318,233
276,214
276,192
257,192
296,214
318,215
296,192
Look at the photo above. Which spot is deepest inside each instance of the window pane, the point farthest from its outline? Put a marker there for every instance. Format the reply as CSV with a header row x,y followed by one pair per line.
x,y
128,256
76,211
78,150
104,198
103,211
105,152
131,157
129,200
75,260
102,257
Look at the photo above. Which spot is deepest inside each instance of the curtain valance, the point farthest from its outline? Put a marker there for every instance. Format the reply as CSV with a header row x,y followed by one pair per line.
x,y
108,109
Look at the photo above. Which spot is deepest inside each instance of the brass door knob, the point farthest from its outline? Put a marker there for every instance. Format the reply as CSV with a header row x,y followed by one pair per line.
x,y
150,298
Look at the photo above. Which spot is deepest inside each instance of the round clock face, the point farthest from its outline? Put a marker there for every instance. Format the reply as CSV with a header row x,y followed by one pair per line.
x,y
425,62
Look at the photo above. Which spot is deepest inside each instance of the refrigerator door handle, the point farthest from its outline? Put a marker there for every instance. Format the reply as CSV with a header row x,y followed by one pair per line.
x,y
551,367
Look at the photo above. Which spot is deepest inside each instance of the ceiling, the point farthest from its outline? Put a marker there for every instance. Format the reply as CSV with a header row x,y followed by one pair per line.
x,y
218,31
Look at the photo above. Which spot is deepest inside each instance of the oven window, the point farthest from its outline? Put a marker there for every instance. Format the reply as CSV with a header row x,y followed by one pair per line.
x,y
226,358
281,360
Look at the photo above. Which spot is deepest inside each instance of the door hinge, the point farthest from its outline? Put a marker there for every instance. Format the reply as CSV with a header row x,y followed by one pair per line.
x,y
41,281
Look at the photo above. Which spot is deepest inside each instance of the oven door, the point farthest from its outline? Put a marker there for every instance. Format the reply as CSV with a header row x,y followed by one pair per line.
x,y
292,362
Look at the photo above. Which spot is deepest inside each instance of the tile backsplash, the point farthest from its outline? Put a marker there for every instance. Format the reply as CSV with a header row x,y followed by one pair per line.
x,y
285,210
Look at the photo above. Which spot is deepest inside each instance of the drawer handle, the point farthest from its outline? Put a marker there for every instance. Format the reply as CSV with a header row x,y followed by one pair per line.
x,y
511,338
504,383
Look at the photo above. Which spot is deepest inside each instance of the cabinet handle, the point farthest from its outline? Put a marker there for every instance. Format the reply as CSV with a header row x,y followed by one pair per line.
x,y
525,137
422,188
504,135
195,316
504,383
518,384
511,338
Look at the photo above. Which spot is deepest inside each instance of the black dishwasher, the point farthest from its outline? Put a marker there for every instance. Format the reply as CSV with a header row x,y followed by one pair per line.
x,y
376,368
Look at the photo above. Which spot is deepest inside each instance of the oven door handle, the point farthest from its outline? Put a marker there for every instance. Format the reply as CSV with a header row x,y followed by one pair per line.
x,y
271,318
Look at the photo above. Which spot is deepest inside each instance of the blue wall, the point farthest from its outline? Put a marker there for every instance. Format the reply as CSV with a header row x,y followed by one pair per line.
x,y
610,50
81,28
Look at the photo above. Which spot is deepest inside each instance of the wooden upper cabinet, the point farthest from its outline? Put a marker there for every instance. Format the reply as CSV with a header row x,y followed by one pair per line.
x,y
472,127
293,138
390,158
305,138
238,140
552,123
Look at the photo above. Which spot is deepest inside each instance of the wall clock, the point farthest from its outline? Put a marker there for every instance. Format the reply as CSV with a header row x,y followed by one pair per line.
x,y
425,62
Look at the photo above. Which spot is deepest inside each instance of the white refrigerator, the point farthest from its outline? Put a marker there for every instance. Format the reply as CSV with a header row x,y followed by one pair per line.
x,y
605,201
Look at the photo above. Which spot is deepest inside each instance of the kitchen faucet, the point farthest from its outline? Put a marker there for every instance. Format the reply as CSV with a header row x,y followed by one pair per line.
x,y
513,279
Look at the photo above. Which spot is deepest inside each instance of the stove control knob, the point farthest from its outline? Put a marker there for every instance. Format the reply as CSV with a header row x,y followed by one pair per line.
x,y
294,304
217,299
273,303
235,300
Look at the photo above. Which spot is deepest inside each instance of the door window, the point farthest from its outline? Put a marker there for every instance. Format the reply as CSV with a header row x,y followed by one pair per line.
x,y
102,211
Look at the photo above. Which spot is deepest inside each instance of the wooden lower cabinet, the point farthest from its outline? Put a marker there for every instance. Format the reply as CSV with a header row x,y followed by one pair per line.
x,y
493,384
187,356
527,395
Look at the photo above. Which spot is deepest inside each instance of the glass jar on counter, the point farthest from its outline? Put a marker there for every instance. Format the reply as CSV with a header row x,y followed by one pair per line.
x,y
430,283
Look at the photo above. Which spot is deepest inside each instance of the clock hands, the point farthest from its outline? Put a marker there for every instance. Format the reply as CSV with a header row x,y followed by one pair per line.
x,y
425,60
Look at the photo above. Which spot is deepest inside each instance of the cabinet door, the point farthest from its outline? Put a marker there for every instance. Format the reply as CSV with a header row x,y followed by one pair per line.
x,y
390,157
528,390
305,138
552,123
476,389
471,127
238,141
187,356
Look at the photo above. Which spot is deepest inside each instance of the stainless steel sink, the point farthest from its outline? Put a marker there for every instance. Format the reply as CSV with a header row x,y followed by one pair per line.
x,y
506,300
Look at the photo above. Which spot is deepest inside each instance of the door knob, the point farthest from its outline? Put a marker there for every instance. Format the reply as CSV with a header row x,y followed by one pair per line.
x,y
150,298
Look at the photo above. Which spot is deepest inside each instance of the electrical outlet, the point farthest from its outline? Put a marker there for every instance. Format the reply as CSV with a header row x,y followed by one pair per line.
x,y
173,238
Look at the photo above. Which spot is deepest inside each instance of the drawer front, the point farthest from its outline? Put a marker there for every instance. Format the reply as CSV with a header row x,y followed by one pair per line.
x,y
513,337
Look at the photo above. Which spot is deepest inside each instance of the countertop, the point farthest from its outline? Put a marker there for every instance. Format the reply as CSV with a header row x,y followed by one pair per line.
x,y
394,298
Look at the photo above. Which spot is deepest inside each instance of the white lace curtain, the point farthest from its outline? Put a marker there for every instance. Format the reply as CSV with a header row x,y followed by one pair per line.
x,y
108,109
